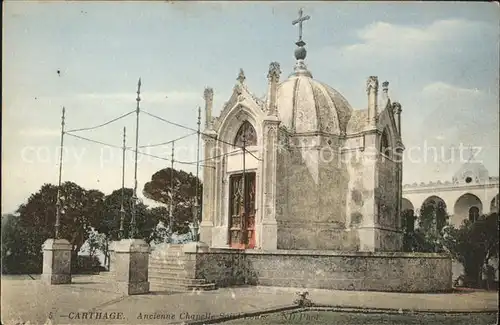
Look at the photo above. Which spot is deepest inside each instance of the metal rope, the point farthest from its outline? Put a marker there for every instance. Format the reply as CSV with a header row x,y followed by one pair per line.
x,y
104,124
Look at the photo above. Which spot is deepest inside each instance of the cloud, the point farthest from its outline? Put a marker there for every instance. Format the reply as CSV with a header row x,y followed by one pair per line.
x,y
459,103
388,47
389,37
382,38
442,89
445,116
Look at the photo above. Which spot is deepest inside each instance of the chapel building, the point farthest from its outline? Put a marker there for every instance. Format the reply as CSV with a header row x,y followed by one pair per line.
x,y
300,169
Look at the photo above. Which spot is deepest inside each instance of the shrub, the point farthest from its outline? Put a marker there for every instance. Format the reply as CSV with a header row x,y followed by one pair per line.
x,y
473,244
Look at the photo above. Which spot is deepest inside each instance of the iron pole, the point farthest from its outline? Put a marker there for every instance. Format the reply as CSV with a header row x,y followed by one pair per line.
x,y
197,210
171,209
133,229
58,200
122,209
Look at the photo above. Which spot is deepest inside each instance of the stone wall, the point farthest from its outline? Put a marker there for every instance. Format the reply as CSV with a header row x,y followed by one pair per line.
x,y
365,271
311,196
225,268
358,196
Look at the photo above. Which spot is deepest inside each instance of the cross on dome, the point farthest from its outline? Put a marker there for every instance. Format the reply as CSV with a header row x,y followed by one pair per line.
x,y
300,51
299,21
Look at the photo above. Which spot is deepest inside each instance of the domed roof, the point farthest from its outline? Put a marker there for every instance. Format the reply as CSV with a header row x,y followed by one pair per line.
x,y
471,172
306,105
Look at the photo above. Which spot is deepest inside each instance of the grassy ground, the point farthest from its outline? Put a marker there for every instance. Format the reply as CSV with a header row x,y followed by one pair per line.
x,y
343,318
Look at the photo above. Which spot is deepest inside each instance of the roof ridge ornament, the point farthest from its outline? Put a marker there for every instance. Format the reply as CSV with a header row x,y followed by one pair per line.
x,y
241,76
274,71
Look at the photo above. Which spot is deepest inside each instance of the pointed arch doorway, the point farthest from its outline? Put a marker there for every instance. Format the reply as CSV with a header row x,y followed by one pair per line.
x,y
242,189
242,211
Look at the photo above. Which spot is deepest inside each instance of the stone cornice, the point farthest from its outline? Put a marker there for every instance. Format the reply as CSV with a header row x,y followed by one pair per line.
x,y
424,188
315,134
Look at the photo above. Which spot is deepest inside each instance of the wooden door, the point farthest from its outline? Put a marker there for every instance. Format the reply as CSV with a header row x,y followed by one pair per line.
x,y
242,211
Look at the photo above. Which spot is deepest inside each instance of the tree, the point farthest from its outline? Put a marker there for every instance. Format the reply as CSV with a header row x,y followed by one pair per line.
x,y
408,228
160,232
80,210
110,221
24,233
96,242
16,257
433,216
182,197
473,244
428,237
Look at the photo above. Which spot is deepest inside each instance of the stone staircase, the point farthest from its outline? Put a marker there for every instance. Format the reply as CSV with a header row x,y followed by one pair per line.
x,y
171,270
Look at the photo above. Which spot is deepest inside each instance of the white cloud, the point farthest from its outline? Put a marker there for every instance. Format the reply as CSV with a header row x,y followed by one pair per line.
x,y
385,36
449,91
444,116
471,109
391,40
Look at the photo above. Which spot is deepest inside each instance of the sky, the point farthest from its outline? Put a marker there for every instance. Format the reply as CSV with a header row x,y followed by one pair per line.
x,y
441,59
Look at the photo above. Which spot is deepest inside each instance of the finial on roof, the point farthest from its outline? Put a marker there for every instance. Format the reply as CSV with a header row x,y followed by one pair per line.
x,y
208,93
241,77
385,86
300,51
396,107
274,71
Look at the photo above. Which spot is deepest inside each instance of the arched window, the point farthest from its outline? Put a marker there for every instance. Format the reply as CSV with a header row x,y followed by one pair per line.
x,y
473,214
494,204
384,144
246,136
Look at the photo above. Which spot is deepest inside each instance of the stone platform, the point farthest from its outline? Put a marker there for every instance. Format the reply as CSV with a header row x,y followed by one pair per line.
x,y
360,271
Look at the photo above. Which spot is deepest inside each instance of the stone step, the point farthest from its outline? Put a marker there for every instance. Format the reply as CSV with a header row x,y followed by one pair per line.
x,y
107,274
156,266
176,287
172,268
167,270
166,251
175,247
169,256
168,273
165,279
167,264
164,247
